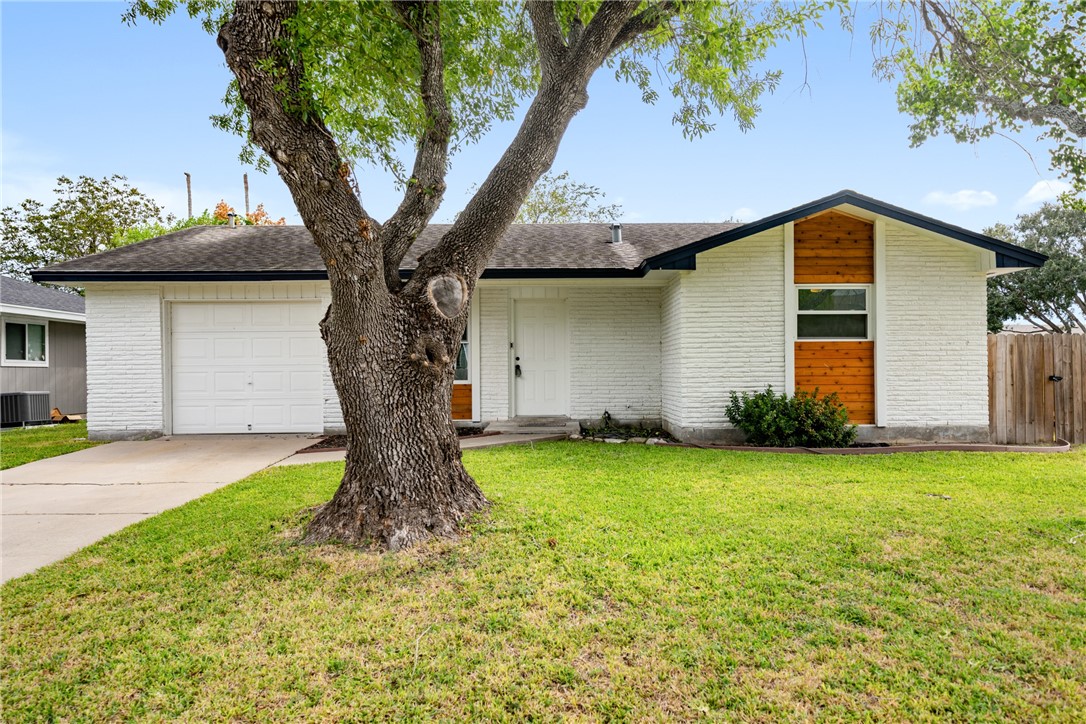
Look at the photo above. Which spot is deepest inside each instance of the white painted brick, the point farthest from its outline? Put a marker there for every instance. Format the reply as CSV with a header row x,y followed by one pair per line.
x,y
936,344
724,329
614,352
494,353
124,360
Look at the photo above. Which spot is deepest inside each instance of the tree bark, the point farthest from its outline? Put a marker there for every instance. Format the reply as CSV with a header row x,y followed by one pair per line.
x,y
392,347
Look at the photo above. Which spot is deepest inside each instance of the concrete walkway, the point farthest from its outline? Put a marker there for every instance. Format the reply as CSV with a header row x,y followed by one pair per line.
x,y
52,508
466,443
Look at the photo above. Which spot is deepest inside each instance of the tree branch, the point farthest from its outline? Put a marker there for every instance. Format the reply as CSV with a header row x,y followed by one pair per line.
x,y
645,21
426,187
1039,114
465,248
548,35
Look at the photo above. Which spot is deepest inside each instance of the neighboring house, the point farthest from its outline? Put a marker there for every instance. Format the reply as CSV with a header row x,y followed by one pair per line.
x,y
214,329
44,346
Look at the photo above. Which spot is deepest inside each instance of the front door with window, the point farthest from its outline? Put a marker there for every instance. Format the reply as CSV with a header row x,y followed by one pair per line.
x,y
540,376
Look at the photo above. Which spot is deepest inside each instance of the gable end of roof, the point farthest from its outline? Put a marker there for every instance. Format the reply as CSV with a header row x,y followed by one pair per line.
x,y
1008,256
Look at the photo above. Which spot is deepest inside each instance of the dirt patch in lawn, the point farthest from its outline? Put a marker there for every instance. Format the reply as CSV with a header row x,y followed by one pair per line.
x,y
339,442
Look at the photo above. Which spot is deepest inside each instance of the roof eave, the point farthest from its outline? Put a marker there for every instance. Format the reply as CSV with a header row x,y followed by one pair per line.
x,y
1007,255
18,310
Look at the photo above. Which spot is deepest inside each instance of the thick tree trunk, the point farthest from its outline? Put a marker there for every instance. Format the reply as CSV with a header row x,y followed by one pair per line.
x,y
404,481
392,347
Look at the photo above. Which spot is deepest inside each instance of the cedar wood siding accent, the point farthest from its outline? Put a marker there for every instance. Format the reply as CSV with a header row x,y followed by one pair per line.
x,y
834,248
847,368
461,402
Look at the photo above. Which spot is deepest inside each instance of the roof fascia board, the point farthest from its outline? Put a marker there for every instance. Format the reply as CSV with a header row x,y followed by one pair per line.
x,y
89,277
1008,255
39,312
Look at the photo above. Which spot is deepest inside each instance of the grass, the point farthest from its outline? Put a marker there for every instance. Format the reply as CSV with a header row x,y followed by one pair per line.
x,y
21,445
606,583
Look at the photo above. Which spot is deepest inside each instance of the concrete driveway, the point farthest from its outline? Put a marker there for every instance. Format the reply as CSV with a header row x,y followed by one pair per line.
x,y
52,508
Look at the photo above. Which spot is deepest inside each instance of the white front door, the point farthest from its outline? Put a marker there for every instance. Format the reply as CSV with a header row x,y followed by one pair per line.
x,y
539,357
246,367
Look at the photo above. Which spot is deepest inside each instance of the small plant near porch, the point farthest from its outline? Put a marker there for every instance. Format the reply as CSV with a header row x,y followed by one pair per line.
x,y
803,420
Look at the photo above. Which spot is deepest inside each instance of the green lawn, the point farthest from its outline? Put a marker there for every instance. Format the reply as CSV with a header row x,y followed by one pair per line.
x,y
20,445
607,582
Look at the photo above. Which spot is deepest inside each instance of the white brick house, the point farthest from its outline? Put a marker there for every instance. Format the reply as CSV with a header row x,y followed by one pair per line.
x,y
214,329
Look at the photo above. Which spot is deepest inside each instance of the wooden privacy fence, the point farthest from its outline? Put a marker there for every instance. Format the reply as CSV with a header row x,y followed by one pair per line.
x,y
1037,388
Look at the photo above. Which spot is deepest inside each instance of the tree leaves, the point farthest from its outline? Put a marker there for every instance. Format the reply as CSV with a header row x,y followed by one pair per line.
x,y
983,66
89,216
1053,296
363,65
558,199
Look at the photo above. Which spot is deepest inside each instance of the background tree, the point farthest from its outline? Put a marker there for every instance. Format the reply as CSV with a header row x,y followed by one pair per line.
x,y
257,217
319,86
558,199
89,215
975,67
1052,297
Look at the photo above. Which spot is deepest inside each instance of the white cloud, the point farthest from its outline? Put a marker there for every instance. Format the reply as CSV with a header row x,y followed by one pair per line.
x,y
1041,192
743,213
964,200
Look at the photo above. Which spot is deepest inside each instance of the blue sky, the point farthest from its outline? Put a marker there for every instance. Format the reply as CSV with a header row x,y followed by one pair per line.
x,y
83,93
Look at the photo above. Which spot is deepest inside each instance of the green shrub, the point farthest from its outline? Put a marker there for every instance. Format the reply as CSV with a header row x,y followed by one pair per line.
x,y
805,420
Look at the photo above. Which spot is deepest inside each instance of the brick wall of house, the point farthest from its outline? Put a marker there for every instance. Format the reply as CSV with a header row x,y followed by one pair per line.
x,y
730,313
936,322
124,361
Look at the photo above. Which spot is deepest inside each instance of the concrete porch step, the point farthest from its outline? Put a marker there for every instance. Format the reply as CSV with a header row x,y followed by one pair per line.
x,y
535,426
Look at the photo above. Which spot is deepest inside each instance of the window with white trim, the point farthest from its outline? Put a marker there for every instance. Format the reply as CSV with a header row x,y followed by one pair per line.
x,y
25,343
833,312
462,372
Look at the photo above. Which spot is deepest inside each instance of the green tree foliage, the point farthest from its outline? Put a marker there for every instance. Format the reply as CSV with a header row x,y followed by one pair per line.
x,y
90,215
972,68
1053,297
558,199
363,65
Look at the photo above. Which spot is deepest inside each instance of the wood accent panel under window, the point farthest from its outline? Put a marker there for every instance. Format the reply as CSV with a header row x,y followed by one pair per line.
x,y
833,248
461,402
847,368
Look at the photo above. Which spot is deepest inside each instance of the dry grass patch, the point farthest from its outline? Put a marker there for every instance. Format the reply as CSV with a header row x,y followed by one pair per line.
x,y
607,582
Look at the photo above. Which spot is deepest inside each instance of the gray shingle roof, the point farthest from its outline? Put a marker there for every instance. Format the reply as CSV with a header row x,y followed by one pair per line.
x,y
273,250
24,294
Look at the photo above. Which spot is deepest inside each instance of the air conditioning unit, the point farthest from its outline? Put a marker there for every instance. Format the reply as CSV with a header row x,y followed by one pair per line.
x,y
24,408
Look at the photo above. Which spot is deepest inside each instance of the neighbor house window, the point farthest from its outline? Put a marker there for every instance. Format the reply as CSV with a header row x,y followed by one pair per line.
x,y
462,359
24,343
832,313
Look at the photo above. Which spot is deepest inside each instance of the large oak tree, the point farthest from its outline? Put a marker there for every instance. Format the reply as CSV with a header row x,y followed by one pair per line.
x,y
321,86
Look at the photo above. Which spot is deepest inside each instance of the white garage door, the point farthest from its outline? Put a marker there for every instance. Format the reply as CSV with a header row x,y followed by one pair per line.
x,y
247,367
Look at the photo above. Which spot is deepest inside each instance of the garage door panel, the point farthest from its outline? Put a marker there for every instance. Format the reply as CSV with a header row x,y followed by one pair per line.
x,y
272,315
191,316
191,383
231,348
271,382
305,315
187,349
247,367
230,316
306,381
191,418
306,415
230,382
274,415
306,349
270,349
